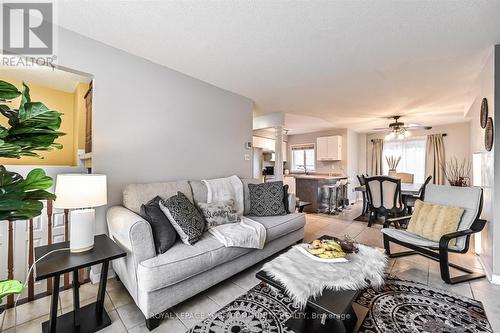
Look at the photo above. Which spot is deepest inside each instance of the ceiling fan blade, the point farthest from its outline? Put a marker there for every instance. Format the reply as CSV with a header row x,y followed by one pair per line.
x,y
415,126
381,129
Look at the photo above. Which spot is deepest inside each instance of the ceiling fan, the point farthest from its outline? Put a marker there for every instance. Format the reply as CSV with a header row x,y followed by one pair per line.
x,y
398,129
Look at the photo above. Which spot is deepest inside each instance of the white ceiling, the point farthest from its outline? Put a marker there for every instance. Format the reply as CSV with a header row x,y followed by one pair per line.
x,y
349,63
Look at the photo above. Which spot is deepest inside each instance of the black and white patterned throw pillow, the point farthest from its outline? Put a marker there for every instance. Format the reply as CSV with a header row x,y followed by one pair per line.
x,y
266,199
184,217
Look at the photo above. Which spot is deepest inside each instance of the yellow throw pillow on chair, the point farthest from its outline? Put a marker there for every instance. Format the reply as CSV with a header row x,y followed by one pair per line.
x,y
432,221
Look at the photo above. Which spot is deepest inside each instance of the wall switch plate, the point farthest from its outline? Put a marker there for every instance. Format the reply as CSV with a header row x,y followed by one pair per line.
x,y
247,157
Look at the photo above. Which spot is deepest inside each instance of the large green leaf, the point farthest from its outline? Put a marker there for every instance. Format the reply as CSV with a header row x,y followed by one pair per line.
x,y
31,110
8,91
40,195
36,180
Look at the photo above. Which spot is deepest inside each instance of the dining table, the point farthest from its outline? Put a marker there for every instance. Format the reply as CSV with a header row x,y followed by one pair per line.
x,y
407,189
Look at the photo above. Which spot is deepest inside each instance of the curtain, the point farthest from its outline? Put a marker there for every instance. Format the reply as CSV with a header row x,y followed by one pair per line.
x,y
435,158
378,145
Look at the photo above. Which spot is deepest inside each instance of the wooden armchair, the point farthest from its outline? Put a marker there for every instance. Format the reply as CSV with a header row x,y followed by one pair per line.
x,y
469,198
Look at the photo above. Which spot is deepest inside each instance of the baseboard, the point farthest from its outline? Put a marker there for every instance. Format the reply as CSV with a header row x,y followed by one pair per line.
x,y
495,279
95,274
489,272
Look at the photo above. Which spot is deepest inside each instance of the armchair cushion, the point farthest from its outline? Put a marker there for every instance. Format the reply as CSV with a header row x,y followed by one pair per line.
x,y
408,237
432,221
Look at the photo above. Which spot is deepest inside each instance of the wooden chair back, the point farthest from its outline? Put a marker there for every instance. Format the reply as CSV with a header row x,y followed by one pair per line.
x,y
405,177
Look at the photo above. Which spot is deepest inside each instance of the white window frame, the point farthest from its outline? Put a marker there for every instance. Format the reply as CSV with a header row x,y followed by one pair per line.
x,y
302,145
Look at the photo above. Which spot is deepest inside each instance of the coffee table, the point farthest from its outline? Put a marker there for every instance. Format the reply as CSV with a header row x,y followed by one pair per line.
x,y
330,312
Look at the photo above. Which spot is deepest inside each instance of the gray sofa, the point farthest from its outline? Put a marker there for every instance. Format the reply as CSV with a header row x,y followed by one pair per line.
x,y
158,282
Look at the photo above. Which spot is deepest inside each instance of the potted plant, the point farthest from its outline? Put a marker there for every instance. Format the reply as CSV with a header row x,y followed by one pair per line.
x,y
30,128
457,173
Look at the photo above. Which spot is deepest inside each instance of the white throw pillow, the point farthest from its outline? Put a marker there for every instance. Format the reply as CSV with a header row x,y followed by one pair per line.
x,y
219,213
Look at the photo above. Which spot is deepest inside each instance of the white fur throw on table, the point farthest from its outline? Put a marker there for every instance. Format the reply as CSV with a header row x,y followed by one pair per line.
x,y
304,277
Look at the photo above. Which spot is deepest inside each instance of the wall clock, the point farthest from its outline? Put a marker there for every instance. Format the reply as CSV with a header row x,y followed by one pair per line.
x,y
488,134
483,118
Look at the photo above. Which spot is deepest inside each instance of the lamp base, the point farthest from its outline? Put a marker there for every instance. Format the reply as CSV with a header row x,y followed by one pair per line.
x,y
81,229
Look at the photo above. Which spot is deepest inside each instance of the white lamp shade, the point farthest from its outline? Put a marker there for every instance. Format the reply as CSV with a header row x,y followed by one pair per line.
x,y
80,191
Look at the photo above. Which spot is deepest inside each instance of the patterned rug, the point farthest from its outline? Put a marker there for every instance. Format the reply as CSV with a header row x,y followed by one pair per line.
x,y
410,307
261,309
399,307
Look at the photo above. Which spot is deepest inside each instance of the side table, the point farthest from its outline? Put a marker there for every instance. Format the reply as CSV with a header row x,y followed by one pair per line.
x,y
92,317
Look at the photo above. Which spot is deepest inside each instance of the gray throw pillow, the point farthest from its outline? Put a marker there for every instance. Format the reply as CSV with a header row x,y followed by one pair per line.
x,y
219,213
185,217
164,234
266,199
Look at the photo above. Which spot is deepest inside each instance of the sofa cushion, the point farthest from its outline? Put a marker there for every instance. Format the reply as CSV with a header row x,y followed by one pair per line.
x,y
199,190
277,226
183,261
246,192
134,195
164,234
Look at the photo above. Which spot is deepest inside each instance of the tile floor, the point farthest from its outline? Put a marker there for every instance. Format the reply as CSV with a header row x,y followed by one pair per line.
x,y
126,317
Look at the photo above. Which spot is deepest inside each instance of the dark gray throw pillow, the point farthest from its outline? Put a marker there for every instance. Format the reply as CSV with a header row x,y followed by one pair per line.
x,y
185,217
285,199
266,199
164,234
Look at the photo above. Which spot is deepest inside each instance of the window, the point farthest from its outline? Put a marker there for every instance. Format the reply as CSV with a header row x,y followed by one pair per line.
x,y
303,156
412,152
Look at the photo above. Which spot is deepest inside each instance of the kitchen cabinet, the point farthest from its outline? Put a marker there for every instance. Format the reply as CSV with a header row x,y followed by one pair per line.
x,y
329,148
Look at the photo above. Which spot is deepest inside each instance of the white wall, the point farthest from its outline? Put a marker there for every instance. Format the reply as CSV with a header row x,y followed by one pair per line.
x,y
152,123
456,142
484,87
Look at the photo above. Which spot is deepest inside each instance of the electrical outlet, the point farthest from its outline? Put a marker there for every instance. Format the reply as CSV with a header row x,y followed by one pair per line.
x,y
247,157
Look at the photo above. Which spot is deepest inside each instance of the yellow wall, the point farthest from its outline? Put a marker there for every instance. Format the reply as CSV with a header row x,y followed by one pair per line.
x,y
57,100
80,114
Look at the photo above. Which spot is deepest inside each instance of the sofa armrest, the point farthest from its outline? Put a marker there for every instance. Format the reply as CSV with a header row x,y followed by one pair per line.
x,y
292,201
131,232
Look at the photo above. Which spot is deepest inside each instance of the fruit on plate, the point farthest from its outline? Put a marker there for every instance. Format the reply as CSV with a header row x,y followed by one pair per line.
x,y
316,244
317,251
326,249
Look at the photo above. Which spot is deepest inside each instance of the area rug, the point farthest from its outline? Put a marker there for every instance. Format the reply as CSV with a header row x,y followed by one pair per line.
x,y
261,309
410,307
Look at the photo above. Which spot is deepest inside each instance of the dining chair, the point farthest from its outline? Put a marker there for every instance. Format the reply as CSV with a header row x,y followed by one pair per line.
x,y
411,199
361,180
405,177
384,197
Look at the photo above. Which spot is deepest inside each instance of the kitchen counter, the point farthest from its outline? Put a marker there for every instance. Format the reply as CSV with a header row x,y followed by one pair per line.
x,y
317,177
310,188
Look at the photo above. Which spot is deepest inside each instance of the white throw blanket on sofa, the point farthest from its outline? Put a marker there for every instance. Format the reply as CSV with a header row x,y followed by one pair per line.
x,y
246,233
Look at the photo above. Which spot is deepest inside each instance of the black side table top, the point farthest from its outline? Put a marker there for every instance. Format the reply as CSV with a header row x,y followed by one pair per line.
x,y
64,261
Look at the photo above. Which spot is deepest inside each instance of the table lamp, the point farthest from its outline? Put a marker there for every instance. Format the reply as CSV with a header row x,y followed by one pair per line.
x,y
80,193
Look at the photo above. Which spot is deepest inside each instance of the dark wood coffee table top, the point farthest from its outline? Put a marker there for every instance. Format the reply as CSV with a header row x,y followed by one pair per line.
x,y
331,302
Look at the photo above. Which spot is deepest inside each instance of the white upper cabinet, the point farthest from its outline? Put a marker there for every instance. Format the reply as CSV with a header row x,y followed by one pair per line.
x,y
329,148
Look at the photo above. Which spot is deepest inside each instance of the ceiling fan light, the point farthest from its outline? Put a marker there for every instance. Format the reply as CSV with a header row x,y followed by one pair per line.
x,y
389,136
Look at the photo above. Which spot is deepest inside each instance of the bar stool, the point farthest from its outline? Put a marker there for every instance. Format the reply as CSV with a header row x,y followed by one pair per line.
x,y
343,188
332,188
